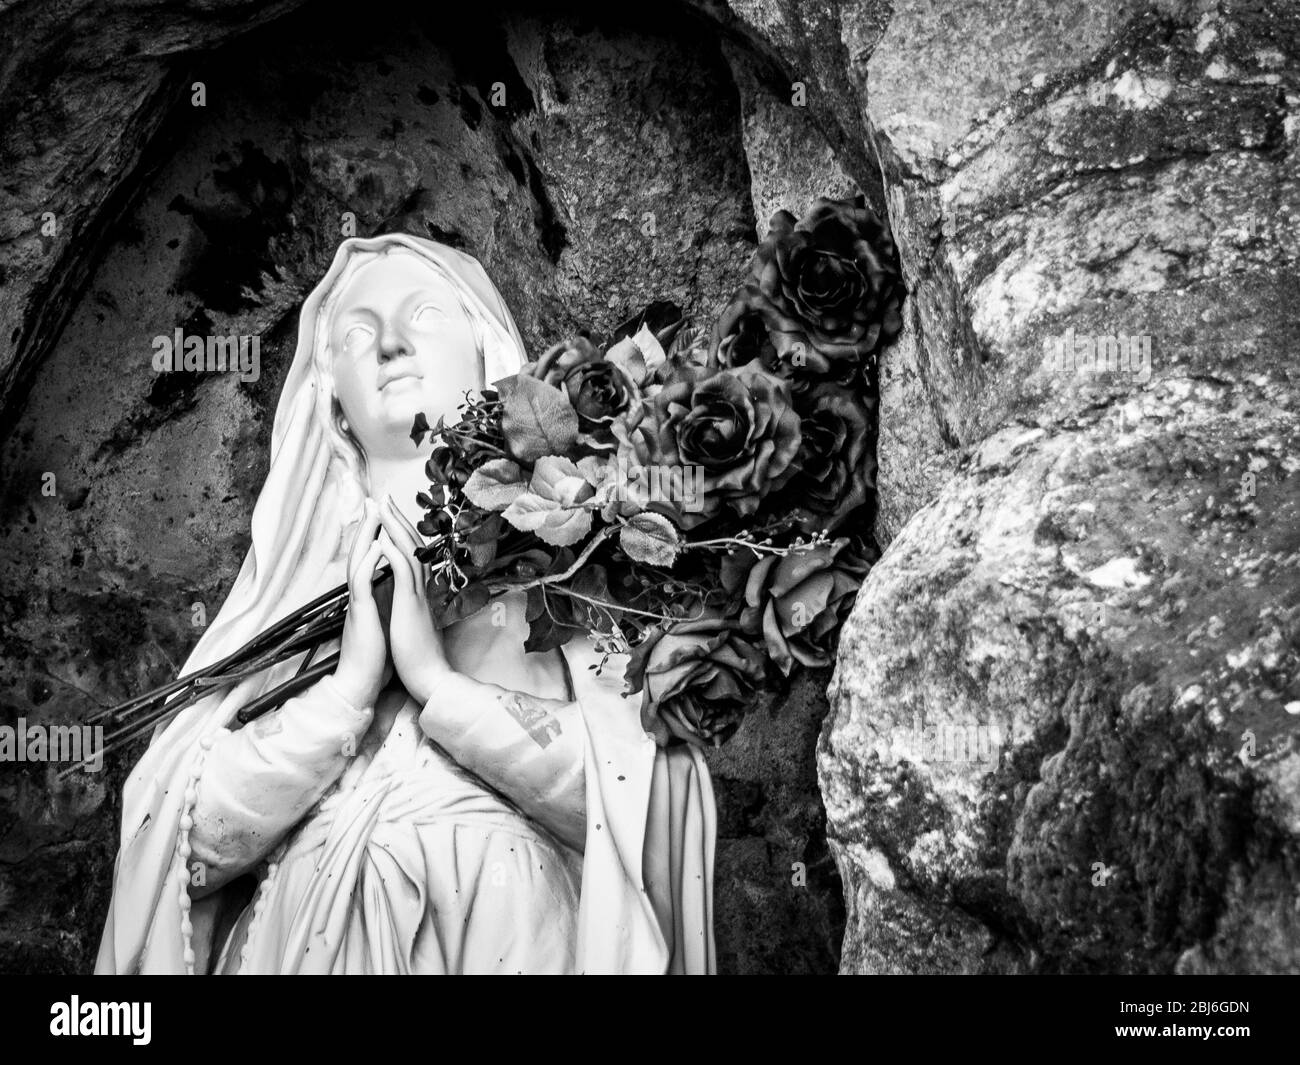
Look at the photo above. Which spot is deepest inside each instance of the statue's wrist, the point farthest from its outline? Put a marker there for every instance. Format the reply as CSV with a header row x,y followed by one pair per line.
x,y
430,679
353,690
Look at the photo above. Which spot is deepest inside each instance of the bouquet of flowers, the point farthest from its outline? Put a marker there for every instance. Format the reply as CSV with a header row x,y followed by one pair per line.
x,y
696,498
699,505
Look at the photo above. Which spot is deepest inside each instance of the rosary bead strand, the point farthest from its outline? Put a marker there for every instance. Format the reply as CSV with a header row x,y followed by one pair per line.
x,y
183,849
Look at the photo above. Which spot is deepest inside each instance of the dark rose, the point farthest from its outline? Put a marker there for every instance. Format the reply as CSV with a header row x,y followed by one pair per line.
x,y
598,390
826,287
797,603
698,678
738,426
835,466
749,342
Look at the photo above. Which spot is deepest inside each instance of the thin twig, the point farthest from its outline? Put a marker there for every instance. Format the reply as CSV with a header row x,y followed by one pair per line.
x,y
556,578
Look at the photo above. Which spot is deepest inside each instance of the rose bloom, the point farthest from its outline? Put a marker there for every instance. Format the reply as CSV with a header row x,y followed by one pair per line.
x,y
825,286
698,678
749,342
798,602
598,390
835,465
739,426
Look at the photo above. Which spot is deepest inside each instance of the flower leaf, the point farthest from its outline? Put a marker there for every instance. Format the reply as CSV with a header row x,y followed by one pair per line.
x,y
545,631
420,428
537,419
650,538
594,470
565,526
651,350
628,357
555,477
495,484
529,511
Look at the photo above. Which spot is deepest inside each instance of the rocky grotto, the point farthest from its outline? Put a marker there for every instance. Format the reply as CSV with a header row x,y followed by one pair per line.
x,y
1095,575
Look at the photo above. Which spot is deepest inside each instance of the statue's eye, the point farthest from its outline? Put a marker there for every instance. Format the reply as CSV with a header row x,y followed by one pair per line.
x,y
427,314
357,337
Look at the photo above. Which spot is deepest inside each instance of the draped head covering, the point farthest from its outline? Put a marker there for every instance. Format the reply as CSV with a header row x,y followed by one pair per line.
x,y
298,552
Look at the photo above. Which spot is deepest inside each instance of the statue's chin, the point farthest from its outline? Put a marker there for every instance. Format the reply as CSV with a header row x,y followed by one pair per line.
x,y
402,401
390,432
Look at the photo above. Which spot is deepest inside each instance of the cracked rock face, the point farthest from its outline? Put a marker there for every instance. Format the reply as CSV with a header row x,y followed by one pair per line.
x,y
1061,737
1064,732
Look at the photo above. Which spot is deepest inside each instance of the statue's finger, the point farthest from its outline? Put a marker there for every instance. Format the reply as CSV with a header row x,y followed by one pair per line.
x,y
364,538
359,586
396,528
398,560
391,529
402,540
412,533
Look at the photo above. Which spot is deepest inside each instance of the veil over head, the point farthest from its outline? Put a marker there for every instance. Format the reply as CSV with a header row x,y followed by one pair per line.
x,y
297,552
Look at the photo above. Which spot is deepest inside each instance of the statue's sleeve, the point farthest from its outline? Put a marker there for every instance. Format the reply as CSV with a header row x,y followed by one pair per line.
x,y
643,817
527,747
259,781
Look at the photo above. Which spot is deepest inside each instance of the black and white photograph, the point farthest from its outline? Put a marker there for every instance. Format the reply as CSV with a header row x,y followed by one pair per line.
x,y
706,487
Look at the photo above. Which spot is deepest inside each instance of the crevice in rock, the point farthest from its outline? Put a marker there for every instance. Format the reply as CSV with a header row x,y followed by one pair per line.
x,y
54,297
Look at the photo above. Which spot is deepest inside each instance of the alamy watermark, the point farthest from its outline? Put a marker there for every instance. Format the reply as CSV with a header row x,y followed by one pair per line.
x,y
944,742
658,484
211,354
1080,353
78,1018
82,744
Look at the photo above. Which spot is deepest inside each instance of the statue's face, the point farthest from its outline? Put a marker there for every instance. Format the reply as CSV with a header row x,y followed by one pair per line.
x,y
401,345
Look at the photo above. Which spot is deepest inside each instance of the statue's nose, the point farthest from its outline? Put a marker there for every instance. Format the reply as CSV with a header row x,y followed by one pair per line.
x,y
393,344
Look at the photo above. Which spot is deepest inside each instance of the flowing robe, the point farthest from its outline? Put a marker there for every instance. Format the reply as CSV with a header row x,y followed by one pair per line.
x,y
397,859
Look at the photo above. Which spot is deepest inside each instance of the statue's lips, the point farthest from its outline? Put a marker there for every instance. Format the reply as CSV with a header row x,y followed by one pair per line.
x,y
397,378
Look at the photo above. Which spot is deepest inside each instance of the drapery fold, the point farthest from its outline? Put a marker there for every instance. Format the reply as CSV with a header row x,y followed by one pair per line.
x,y
644,904
647,879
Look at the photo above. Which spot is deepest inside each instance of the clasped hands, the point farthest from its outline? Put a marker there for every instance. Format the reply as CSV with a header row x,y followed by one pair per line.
x,y
412,645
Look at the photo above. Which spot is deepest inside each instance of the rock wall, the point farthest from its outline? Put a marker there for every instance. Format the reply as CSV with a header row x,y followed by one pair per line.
x,y
1064,734
83,91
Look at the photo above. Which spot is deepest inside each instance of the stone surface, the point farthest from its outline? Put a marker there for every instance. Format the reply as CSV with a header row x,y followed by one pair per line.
x,y
915,453
813,48
790,162
312,123
1102,599
1060,738
82,93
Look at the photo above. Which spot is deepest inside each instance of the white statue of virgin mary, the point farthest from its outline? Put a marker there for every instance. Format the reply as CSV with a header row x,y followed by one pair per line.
x,y
443,801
